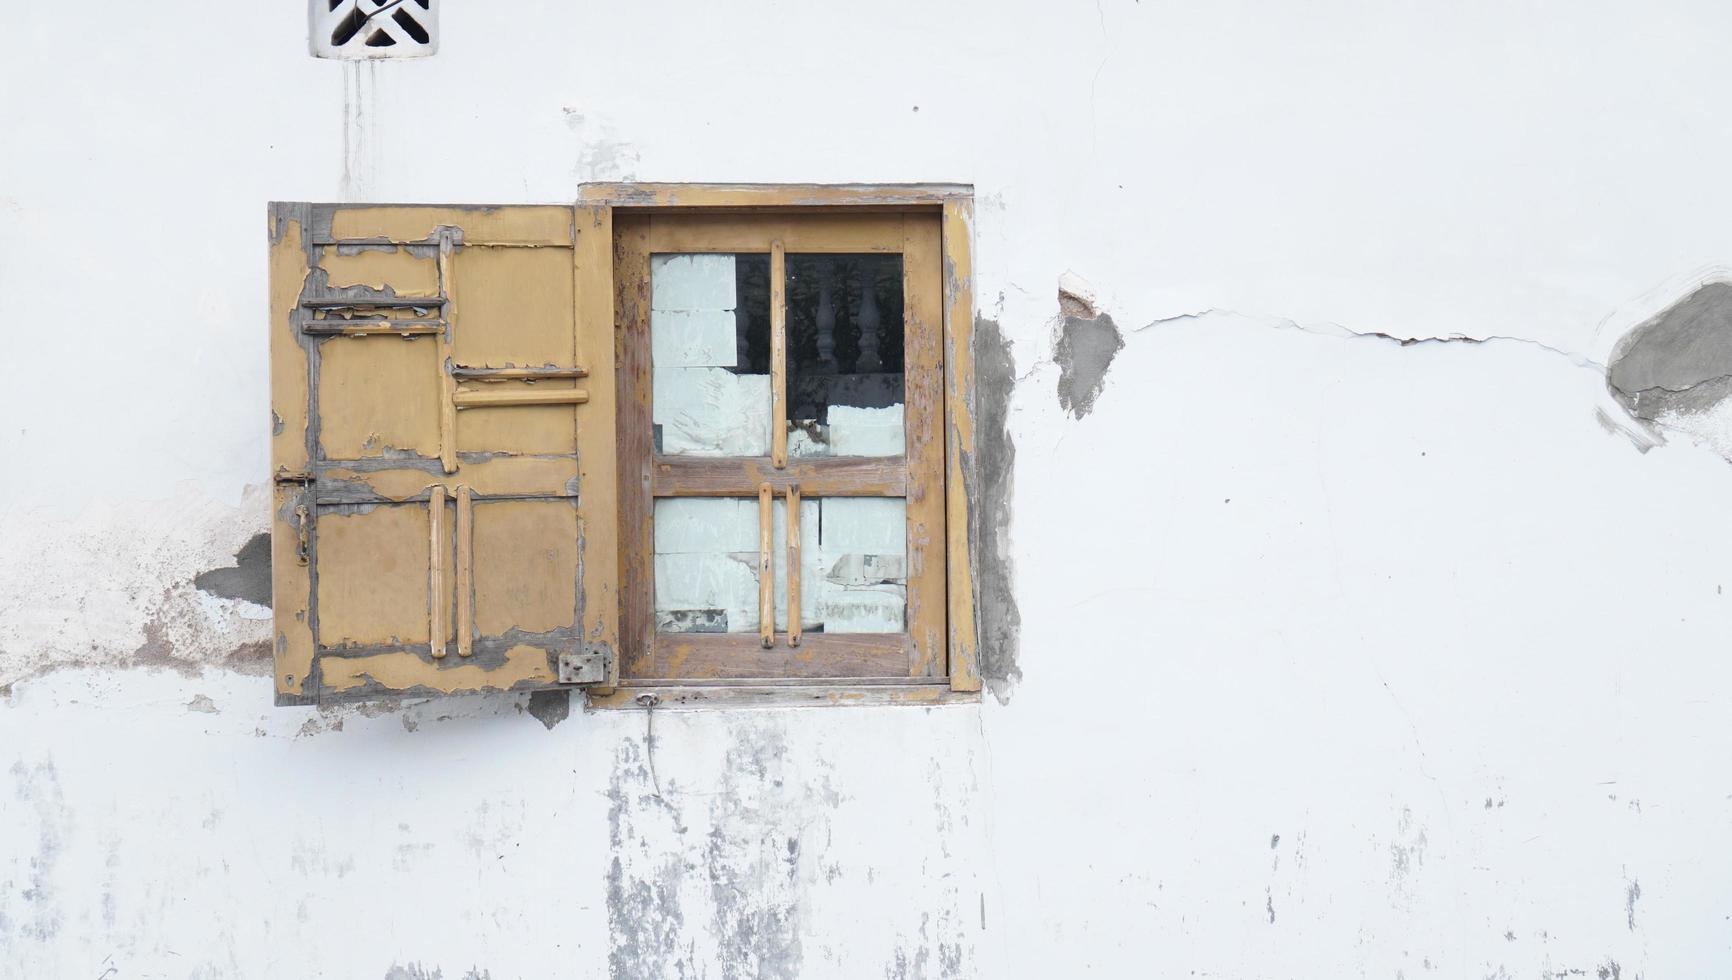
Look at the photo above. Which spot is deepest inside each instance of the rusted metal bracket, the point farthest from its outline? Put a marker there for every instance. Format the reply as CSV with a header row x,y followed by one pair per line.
x,y
303,513
582,668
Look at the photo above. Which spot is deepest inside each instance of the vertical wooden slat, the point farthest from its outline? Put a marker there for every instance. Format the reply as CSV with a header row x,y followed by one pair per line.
x,y
960,481
291,381
447,380
598,461
923,324
465,571
794,567
778,355
437,605
635,450
766,566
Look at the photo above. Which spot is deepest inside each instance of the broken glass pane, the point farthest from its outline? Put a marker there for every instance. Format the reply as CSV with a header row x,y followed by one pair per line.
x,y
710,354
845,352
853,553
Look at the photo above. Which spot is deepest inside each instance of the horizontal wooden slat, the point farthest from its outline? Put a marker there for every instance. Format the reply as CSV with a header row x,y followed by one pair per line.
x,y
376,303
541,225
770,195
523,396
372,328
395,478
515,374
704,656
842,476
798,233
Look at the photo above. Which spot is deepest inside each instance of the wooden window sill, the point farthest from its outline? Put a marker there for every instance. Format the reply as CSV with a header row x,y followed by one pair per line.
x,y
780,692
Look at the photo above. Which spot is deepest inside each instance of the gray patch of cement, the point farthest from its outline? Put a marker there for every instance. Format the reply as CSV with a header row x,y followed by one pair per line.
x,y
1679,362
1085,349
248,579
550,707
995,468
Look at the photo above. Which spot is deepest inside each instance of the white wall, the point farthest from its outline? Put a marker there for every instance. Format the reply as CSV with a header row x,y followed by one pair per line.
x,y
1424,613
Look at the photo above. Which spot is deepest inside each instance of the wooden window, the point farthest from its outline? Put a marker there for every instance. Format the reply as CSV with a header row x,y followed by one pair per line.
x,y
767,485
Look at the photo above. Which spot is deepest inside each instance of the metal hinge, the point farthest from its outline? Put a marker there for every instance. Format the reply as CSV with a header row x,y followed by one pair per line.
x,y
582,668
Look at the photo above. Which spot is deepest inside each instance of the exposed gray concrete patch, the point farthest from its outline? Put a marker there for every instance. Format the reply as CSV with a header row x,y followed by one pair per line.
x,y
202,704
248,579
995,468
550,707
1631,895
414,971
1085,349
1680,362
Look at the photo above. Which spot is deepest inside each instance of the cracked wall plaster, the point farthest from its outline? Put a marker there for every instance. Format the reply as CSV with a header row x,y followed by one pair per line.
x,y
1675,369
117,588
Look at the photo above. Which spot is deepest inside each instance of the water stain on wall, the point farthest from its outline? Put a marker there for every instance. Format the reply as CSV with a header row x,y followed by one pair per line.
x,y
713,886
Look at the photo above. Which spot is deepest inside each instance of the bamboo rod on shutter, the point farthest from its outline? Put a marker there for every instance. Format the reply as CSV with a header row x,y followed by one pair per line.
x,y
766,566
447,381
437,604
794,568
465,571
778,356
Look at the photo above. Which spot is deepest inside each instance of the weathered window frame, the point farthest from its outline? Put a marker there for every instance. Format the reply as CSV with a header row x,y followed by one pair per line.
x,y
723,216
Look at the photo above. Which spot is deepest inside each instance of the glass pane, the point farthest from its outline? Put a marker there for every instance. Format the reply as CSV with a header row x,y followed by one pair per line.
x,y
856,579
710,354
845,355
853,553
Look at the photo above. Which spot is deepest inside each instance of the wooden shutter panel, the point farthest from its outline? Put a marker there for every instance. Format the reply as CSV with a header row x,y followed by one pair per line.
x,y
443,450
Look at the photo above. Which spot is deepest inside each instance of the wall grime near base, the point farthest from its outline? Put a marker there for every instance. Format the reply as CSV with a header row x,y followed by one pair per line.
x,y
1352,464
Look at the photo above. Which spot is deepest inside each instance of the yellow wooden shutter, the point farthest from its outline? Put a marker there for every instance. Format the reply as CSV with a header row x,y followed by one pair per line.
x,y
443,441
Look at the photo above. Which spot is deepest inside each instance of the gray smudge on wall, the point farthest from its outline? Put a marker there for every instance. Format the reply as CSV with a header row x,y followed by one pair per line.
x,y
1680,362
249,578
416,971
995,465
1085,350
550,707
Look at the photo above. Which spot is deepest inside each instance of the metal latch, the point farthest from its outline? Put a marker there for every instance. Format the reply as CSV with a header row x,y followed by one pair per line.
x,y
582,668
